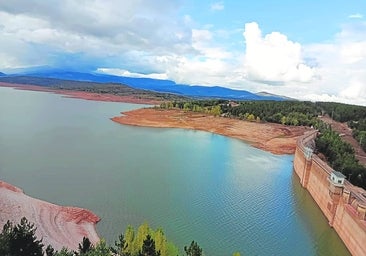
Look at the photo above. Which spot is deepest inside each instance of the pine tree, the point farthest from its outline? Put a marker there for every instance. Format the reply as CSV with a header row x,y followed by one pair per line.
x,y
148,247
85,246
20,240
193,249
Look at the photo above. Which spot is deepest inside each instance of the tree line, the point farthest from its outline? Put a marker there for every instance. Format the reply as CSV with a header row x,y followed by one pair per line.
x,y
283,112
354,115
340,155
20,240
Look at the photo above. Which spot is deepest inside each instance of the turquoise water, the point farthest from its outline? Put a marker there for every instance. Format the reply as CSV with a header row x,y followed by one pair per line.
x,y
198,186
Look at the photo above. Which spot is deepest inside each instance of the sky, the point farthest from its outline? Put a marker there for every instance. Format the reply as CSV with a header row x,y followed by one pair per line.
x,y
309,50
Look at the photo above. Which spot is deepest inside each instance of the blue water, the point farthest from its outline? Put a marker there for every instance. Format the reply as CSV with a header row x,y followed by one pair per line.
x,y
220,192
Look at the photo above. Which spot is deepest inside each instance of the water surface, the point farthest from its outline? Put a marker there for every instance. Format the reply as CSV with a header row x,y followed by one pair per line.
x,y
198,186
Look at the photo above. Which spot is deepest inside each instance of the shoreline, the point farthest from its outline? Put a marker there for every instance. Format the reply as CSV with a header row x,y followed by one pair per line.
x,y
106,97
59,226
275,138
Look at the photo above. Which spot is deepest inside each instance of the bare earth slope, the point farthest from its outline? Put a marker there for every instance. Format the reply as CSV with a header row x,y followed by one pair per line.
x,y
346,132
276,138
56,225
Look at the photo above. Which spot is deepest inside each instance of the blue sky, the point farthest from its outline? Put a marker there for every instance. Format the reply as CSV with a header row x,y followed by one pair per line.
x,y
313,50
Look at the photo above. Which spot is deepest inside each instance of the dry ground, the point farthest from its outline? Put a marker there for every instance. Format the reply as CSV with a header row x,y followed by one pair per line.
x,y
346,134
276,138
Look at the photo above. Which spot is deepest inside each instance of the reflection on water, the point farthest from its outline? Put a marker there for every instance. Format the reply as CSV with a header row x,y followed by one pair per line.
x,y
315,222
198,186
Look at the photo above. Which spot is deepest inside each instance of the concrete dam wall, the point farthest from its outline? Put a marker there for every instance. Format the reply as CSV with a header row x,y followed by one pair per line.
x,y
343,204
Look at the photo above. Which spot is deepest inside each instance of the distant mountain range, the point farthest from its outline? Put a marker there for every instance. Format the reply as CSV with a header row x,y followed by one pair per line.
x,y
164,86
267,94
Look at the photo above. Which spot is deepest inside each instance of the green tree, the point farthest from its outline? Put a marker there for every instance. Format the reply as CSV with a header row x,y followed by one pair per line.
x,y
193,249
283,120
50,251
251,117
148,247
20,240
187,106
121,247
101,249
161,242
85,246
129,238
65,252
216,110
142,232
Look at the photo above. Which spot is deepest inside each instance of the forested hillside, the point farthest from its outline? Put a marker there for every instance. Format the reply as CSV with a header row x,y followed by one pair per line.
x,y
354,115
93,87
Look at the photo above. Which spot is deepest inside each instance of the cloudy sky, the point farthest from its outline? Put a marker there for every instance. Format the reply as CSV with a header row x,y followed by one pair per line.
x,y
307,49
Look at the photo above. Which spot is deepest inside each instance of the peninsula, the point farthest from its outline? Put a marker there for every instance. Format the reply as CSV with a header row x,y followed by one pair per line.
x,y
275,138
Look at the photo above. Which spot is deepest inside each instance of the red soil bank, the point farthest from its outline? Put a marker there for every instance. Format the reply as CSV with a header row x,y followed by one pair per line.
x,y
58,226
275,138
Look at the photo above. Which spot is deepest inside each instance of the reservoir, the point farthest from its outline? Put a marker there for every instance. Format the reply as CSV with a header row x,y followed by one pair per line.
x,y
220,192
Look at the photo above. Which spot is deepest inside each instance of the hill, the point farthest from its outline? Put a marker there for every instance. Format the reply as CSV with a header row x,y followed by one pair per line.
x,y
156,85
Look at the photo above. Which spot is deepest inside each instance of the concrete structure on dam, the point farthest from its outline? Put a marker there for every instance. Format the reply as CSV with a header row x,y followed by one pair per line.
x,y
343,204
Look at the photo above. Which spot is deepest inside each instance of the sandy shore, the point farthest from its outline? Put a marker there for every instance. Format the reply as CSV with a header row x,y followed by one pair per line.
x,y
275,138
57,225
82,95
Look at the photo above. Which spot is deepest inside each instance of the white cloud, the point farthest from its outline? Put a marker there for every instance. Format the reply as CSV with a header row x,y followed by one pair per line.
x,y
122,72
98,28
273,58
218,6
134,39
341,66
356,16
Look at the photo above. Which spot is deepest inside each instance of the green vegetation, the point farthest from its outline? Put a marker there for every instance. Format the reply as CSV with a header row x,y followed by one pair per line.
x,y
359,131
283,112
343,112
20,240
203,106
340,156
193,249
354,115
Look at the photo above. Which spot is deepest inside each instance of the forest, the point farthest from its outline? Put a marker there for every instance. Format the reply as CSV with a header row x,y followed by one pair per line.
x,y
354,115
20,240
340,156
283,112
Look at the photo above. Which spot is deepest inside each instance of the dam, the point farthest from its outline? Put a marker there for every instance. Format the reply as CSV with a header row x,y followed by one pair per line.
x,y
343,204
